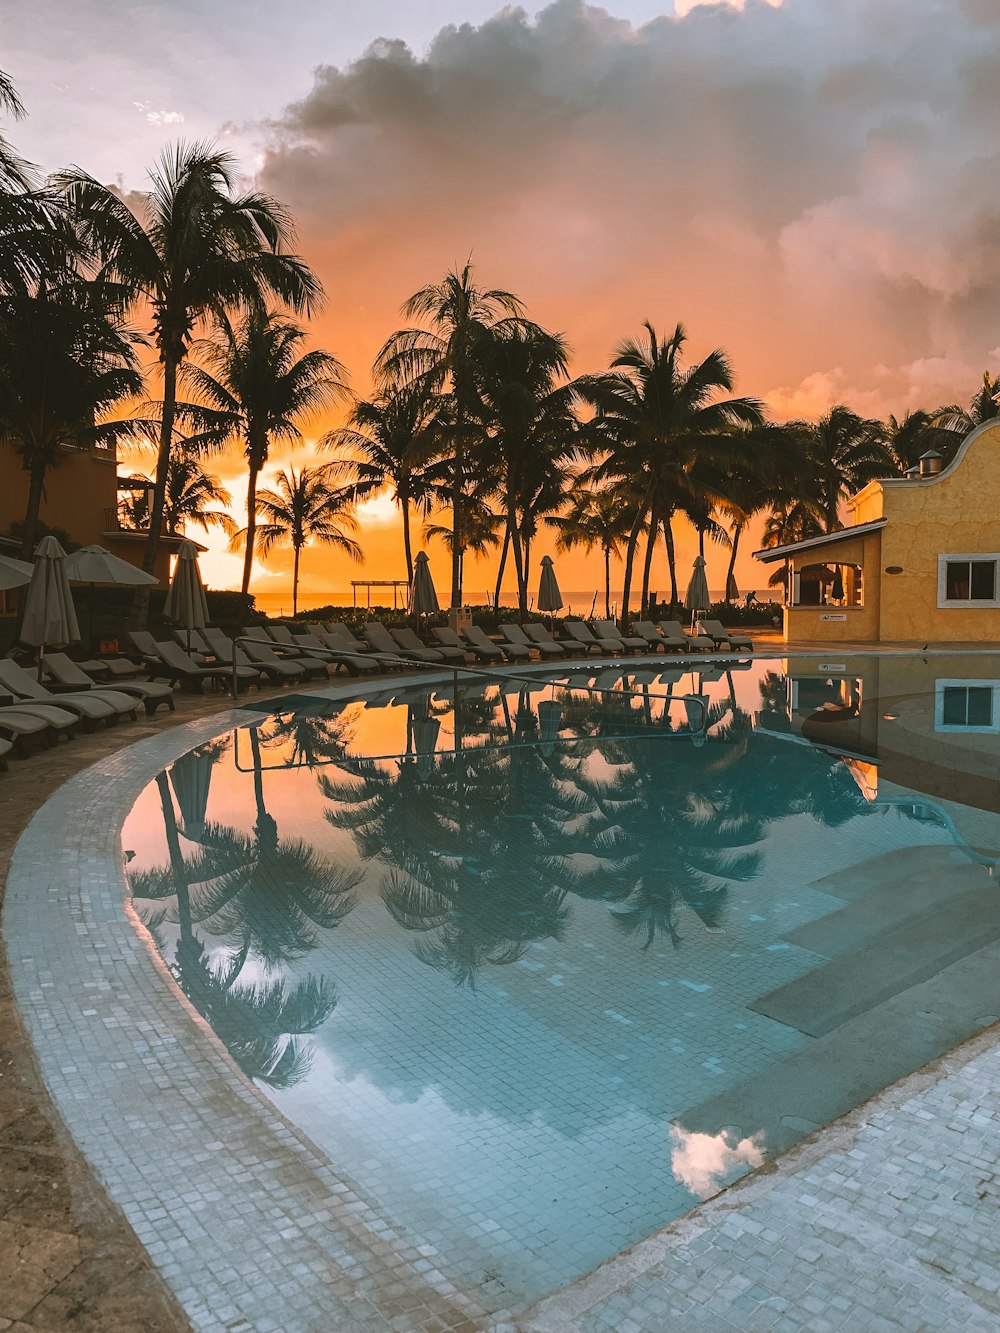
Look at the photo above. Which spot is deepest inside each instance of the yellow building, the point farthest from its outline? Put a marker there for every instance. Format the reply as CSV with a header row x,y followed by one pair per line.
x,y
81,498
918,563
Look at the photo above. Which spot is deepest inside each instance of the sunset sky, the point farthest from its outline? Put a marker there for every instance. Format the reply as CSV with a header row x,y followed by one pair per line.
x,y
811,185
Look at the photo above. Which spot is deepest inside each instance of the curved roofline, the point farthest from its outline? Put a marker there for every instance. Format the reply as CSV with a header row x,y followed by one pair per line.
x,y
992,424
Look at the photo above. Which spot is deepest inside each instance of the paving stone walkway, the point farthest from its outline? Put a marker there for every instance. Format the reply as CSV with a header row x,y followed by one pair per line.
x,y
886,1222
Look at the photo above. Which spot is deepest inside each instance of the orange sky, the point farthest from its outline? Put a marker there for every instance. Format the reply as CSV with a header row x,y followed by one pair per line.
x,y
811,186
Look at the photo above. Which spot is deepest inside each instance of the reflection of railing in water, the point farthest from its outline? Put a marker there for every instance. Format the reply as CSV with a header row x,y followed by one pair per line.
x,y
695,730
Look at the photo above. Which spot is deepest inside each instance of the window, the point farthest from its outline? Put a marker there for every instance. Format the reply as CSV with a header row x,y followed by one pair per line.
x,y
967,705
968,581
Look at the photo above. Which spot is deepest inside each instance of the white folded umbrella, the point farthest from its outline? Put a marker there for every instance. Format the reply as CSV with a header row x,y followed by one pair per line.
x,y
49,614
186,604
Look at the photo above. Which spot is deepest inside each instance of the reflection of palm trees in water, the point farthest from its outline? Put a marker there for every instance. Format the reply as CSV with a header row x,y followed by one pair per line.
x,y
671,837
258,1023
479,849
275,893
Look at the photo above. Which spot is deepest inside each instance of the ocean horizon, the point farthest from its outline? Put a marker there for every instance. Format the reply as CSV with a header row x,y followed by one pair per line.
x,y
576,600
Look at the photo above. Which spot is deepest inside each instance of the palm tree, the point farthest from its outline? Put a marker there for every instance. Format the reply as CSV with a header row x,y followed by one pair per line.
x,y
598,518
202,249
984,406
448,357
65,363
653,421
259,388
844,452
529,434
391,441
190,493
304,508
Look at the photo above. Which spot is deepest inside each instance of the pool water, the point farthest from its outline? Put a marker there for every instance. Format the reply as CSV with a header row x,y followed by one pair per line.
x,y
541,964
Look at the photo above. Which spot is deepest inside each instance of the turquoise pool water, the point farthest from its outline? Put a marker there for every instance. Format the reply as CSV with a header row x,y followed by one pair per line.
x,y
539,966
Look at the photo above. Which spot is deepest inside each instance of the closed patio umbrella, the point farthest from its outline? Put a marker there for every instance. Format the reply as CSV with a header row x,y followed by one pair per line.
x,y
14,573
549,596
186,605
550,715
696,598
97,567
732,588
423,596
190,777
49,614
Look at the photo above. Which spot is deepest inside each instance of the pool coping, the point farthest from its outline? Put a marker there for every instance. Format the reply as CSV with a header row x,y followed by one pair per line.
x,y
167,1126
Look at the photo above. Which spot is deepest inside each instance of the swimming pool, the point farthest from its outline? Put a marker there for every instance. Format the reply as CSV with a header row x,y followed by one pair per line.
x,y
538,966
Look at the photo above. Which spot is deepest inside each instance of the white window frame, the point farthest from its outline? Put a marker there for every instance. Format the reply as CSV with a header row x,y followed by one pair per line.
x,y
972,603
952,727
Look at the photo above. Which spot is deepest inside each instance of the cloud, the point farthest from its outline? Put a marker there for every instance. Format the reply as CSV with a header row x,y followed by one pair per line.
x,y
704,1163
812,186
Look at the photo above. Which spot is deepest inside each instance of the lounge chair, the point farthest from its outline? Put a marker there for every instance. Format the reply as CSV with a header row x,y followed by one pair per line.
x,y
715,629
222,648
337,636
383,642
543,640
110,668
150,693
607,629
89,705
449,639
515,635
144,643
262,654
697,638
173,662
675,636
309,644
409,643
652,637
586,638
23,727
514,652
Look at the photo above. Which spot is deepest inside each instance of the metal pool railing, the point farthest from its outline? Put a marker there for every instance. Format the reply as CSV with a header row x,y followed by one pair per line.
x,y
696,703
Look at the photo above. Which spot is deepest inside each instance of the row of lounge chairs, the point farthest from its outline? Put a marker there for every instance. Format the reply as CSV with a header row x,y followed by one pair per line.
x,y
64,699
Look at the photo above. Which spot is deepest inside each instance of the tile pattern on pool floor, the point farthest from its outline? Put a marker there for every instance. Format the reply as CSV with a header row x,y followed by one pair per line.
x,y
285,1242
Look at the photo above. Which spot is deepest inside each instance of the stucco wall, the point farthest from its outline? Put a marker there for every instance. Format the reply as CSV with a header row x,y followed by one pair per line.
x,y
861,623
77,494
954,513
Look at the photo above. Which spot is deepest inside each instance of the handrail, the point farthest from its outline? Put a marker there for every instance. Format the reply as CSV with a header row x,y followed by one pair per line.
x,y
453,667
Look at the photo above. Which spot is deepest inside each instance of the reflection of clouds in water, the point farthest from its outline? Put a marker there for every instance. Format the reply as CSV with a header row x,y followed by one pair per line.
x,y
702,1162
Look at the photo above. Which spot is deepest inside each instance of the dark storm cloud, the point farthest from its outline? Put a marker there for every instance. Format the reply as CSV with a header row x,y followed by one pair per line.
x,y
814,185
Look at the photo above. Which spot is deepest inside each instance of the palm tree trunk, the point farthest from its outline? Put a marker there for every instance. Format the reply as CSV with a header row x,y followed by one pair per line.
x,y
405,506
162,463
633,541
35,490
526,562
734,548
457,487
140,602
295,584
503,564
668,538
522,598
701,542
251,528
607,582
650,545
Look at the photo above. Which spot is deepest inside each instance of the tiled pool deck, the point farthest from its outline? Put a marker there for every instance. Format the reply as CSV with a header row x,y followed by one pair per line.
x,y
886,1220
